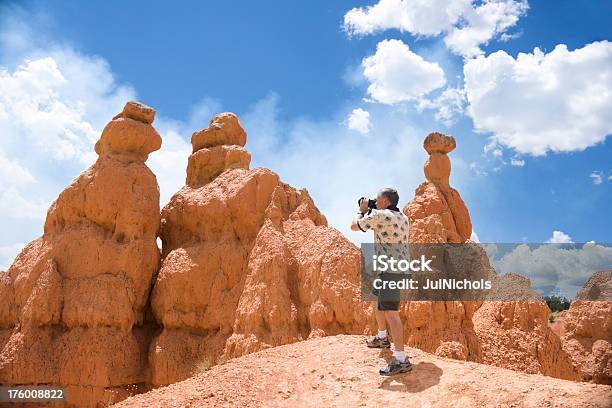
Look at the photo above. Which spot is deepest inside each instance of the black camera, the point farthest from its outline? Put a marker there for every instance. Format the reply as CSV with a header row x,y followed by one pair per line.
x,y
371,202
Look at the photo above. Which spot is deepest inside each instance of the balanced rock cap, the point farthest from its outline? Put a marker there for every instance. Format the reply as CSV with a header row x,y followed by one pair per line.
x,y
224,129
130,132
439,143
137,111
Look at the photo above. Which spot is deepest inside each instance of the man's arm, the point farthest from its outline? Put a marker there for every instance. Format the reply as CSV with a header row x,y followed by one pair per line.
x,y
355,224
363,208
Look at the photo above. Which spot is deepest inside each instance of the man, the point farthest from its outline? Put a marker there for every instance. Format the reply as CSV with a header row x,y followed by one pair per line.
x,y
390,228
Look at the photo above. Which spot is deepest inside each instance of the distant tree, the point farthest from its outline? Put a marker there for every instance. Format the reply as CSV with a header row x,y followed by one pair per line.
x,y
556,303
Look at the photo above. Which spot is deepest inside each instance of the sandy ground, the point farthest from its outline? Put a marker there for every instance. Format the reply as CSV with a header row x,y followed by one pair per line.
x,y
340,371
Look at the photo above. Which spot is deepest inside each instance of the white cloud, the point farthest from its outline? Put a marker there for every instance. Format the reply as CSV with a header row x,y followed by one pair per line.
x,y
474,237
8,253
396,74
477,169
48,127
556,269
465,24
449,105
425,18
359,120
12,172
597,177
517,162
21,206
540,102
482,23
32,106
560,237
505,37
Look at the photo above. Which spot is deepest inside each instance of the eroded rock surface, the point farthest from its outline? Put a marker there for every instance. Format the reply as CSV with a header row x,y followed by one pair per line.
x,y
73,301
437,214
248,262
587,329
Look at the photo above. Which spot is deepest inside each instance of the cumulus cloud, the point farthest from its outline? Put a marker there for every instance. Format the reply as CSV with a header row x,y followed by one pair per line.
x,y
537,102
359,120
54,103
560,269
482,23
560,237
597,177
465,24
396,74
449,106
51,109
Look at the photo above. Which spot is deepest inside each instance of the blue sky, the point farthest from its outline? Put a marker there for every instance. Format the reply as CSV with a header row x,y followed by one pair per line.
x,y
533,154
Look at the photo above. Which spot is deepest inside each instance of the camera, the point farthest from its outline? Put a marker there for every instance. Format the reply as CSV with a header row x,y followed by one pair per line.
x,y
371,202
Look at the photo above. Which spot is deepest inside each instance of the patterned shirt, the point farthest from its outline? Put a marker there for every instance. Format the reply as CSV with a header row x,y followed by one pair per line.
x,y
390,232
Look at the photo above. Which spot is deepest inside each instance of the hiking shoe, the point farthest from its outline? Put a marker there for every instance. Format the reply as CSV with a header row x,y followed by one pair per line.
x,y
377,342
395,367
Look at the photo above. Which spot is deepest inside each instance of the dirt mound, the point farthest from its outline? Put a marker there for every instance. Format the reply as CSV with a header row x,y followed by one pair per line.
x,y
248,262
340,371
73,300
587,329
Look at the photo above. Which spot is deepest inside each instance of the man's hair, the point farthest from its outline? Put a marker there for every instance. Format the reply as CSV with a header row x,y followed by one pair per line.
x,y
391,195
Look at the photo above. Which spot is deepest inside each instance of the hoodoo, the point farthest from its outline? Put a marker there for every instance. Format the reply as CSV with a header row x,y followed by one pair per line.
x,y
73,301
511,334
248,262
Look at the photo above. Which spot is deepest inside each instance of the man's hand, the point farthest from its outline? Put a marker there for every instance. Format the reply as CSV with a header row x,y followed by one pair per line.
x,y
363,205
363,208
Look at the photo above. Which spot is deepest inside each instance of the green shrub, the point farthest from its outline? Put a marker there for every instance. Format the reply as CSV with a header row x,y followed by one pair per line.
x,y
556,303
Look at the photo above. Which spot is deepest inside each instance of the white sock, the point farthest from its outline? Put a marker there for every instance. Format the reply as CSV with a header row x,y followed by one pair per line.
x,y
382,334
399,356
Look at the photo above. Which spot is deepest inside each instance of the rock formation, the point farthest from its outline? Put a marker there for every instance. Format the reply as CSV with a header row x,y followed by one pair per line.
x,y
511,334
587,329
248,262
437,214
73,301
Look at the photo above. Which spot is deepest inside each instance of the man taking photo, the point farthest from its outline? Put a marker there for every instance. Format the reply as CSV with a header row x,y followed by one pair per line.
x,y
390,228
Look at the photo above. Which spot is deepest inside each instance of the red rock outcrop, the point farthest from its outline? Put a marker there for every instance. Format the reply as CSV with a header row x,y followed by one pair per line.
x,y
73,301
248,262
587,329
510,334
437,214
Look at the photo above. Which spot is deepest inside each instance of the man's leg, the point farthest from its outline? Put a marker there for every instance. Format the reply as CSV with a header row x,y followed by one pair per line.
x,y
399,363
397,329
381,321
381,339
